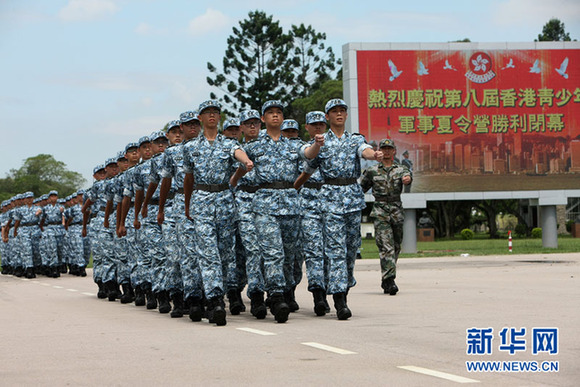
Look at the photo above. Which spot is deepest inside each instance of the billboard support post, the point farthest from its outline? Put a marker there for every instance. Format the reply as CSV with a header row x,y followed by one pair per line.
x,y
549,226
409,244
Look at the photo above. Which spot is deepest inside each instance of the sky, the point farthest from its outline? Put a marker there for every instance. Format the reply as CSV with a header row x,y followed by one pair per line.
x,y
79,79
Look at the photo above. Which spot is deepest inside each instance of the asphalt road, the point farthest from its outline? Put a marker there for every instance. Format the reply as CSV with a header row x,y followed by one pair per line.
x,y
56,332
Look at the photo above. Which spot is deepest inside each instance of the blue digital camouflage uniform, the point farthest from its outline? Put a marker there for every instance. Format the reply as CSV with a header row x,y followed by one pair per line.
x,y
97,195
75,236
276,209
154,253
213,213
27,230
339,158
51,241
138,277
124,259
185,251
87,239
107,236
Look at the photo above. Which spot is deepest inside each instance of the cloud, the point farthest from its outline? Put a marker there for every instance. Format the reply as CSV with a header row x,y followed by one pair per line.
x,y
80,10
536,12
147,29
210,21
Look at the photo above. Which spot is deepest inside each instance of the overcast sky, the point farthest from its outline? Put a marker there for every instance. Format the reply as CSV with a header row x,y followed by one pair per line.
x,y
79,79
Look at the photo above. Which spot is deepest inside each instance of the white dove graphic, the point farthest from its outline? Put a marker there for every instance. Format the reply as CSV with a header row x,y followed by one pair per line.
x,y
448,66
422,69
562,69
536,67
510,65
394,72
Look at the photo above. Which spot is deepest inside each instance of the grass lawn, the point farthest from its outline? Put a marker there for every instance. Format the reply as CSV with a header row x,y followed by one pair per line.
x,y
480,245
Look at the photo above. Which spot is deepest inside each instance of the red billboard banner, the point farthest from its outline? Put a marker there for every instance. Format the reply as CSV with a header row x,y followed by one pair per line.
x,y
468,118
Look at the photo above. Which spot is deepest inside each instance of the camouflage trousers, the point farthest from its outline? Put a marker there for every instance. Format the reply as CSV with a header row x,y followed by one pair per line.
x,y
26,241
134,250
87,250
278,245
51,245
173,246
155,256
121,246
108,258
76,245
389,236
311,228
96,227
341,241
189,254
247,238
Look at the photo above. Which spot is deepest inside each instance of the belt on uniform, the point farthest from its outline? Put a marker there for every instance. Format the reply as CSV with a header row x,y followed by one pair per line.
x,y
248,188
170,195
389,198
211,187
76,224
313,185
341,181
102,208
53,223
154,202
28,224
179,191
94,214
276,185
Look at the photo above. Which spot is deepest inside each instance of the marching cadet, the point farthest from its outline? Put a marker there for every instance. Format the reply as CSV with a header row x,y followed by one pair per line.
x,y
342,199
27,220
311,225
4,246
126,242
74,227
183,251
207,162
52,233
275,205
154,245
290,129
244,195
107,237
388,180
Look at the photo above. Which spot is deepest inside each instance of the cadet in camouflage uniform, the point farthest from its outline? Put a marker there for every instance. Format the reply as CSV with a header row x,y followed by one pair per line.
x,y
4,247
184,253
387,180
107,235
53,230
244,195
342,199
74,230
207,163
154,245
27,221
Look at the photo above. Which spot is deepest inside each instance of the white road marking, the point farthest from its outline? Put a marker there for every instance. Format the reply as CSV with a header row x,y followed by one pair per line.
x,y
439,374
57,287
88,294
45,284
257,331
328,348
72,290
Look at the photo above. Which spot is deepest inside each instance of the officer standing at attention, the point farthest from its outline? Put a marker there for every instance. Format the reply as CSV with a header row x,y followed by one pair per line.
x,y
387,180
409,165
342,199
207,163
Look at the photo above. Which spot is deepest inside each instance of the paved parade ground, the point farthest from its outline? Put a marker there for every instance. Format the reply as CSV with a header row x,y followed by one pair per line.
x,y
56,332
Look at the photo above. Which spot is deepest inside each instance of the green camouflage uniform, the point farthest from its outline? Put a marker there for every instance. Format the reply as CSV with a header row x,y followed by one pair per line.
x,y
387,185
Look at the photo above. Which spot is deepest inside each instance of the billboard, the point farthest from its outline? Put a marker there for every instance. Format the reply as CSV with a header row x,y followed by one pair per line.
x,y
475,119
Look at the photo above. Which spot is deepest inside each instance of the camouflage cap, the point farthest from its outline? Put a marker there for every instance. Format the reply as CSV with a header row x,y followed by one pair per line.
x,y
177,123
232,122
249,115
209,104
289,124
156,135
131,145
121,156
406,152
144,140
314,117
98,168
272,103
387,142
334,103
186,117
109,161
28,194
53,192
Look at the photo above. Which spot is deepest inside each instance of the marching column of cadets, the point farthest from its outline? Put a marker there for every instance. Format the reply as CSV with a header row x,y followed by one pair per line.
x,y
183,219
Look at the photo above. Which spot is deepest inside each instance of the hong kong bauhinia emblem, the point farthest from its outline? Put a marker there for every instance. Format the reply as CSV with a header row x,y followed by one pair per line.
x,y
480,68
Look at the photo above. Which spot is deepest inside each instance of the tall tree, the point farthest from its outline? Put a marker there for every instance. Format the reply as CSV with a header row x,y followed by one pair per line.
x,y
553,30
40,174
312,62
255,67
315,101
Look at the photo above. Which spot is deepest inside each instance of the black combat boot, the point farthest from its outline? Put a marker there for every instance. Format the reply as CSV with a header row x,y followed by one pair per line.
x,y
216,312
82,271
279,308
139,296
56,273
63,268
30,273
18,271
73,270
102,292
128,294
235,302
258,306
6,269
196,310
163,299
178,306
112,290
290,299
241,300
319,297
389,286
342,311
151,299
